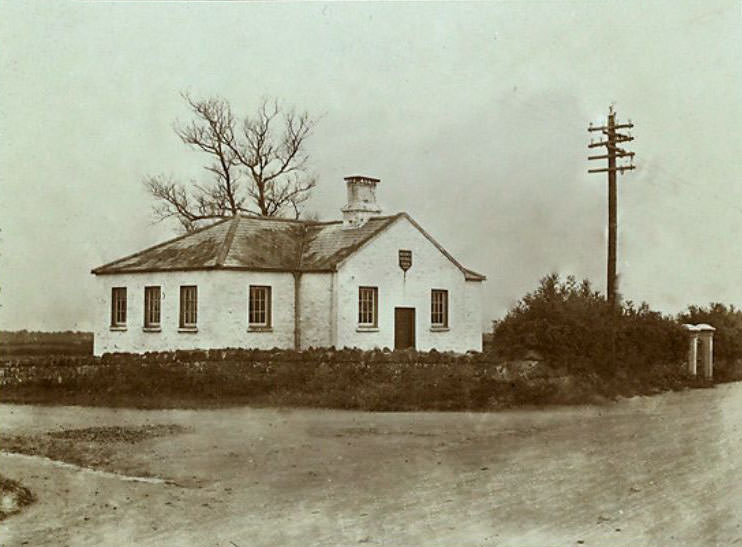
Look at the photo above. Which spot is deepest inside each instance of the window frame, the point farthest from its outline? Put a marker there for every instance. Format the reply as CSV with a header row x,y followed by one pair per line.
x,y
184,302
439,309
116,309
267,303
149,309
362,313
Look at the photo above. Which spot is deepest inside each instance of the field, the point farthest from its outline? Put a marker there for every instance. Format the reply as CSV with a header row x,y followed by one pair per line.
x,y
643,471
16,344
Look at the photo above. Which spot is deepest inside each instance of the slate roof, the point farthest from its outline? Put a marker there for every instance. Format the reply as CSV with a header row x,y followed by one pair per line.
x,y
260,243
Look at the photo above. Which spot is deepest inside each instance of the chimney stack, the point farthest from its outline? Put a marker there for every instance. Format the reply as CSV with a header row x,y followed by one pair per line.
x,y
361,201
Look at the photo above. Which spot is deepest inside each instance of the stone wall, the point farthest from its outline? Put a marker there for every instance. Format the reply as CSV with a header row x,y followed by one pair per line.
x,y
350,379
63,370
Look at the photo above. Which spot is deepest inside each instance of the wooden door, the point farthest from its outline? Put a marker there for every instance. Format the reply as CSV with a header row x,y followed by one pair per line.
x,y
404,328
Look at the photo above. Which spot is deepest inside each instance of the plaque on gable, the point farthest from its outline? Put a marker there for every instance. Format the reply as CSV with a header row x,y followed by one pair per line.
x,y
405,260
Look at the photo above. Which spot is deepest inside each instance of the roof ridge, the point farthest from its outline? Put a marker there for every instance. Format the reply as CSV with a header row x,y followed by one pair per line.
x,y
158,245
321,222
281,219
297,221
302,244
302,222
227,243
267,217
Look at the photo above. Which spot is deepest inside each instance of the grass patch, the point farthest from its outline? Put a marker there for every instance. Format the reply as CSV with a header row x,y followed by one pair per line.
x,y
112,434
13,497
93,447
25,343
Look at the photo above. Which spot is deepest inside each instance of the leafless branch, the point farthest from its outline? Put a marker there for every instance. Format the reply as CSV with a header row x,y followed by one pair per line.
x,y
262,169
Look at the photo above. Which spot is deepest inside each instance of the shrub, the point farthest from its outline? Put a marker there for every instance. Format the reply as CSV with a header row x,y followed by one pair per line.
x,y
569,324
647,338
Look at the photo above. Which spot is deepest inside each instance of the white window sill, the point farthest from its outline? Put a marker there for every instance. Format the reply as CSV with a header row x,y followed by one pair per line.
x,y
367,329
151,329
440,329
188,329
118,329
258,328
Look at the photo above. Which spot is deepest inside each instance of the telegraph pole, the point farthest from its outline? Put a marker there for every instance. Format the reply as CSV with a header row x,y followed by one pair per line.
x,y
613,153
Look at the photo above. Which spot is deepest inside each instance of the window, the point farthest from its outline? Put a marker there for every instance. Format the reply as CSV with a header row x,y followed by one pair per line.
x,y
151,307
188,306
439,308
368,306
118,307
259,306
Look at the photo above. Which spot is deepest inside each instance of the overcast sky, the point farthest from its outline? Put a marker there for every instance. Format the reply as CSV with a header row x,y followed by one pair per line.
x,y
473,115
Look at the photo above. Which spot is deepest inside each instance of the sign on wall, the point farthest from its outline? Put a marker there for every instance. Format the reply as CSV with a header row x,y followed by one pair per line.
x,y
405,260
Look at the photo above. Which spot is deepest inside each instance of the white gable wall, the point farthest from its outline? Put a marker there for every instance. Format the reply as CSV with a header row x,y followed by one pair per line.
x,y
222,311
377,264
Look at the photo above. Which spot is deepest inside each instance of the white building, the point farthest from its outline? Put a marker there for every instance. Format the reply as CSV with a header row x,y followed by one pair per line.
x,y
368,281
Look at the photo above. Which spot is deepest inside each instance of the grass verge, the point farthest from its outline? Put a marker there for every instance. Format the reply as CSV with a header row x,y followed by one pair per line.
x,y
92,447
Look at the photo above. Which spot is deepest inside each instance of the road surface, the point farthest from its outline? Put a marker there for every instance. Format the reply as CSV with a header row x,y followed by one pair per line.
x,y
661,470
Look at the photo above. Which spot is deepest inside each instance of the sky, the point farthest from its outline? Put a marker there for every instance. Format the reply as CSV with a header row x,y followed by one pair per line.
x,y
473,115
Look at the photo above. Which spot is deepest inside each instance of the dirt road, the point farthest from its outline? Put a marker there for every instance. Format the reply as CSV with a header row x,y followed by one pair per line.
x,y
647,471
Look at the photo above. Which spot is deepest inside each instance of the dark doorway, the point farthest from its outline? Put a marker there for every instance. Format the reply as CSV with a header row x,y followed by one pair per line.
x,y
404,328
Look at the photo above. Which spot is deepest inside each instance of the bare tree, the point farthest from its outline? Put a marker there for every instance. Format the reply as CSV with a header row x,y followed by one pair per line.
x,y
258,166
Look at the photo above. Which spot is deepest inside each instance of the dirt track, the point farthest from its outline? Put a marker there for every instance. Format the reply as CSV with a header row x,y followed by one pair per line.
x,y
647,471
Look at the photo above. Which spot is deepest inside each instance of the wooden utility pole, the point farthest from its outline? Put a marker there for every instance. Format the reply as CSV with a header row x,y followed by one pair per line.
x,y
613,153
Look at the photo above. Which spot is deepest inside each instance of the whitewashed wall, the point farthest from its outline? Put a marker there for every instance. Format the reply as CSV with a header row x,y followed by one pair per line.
x,y
377,264
222,311
316,310
328,308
